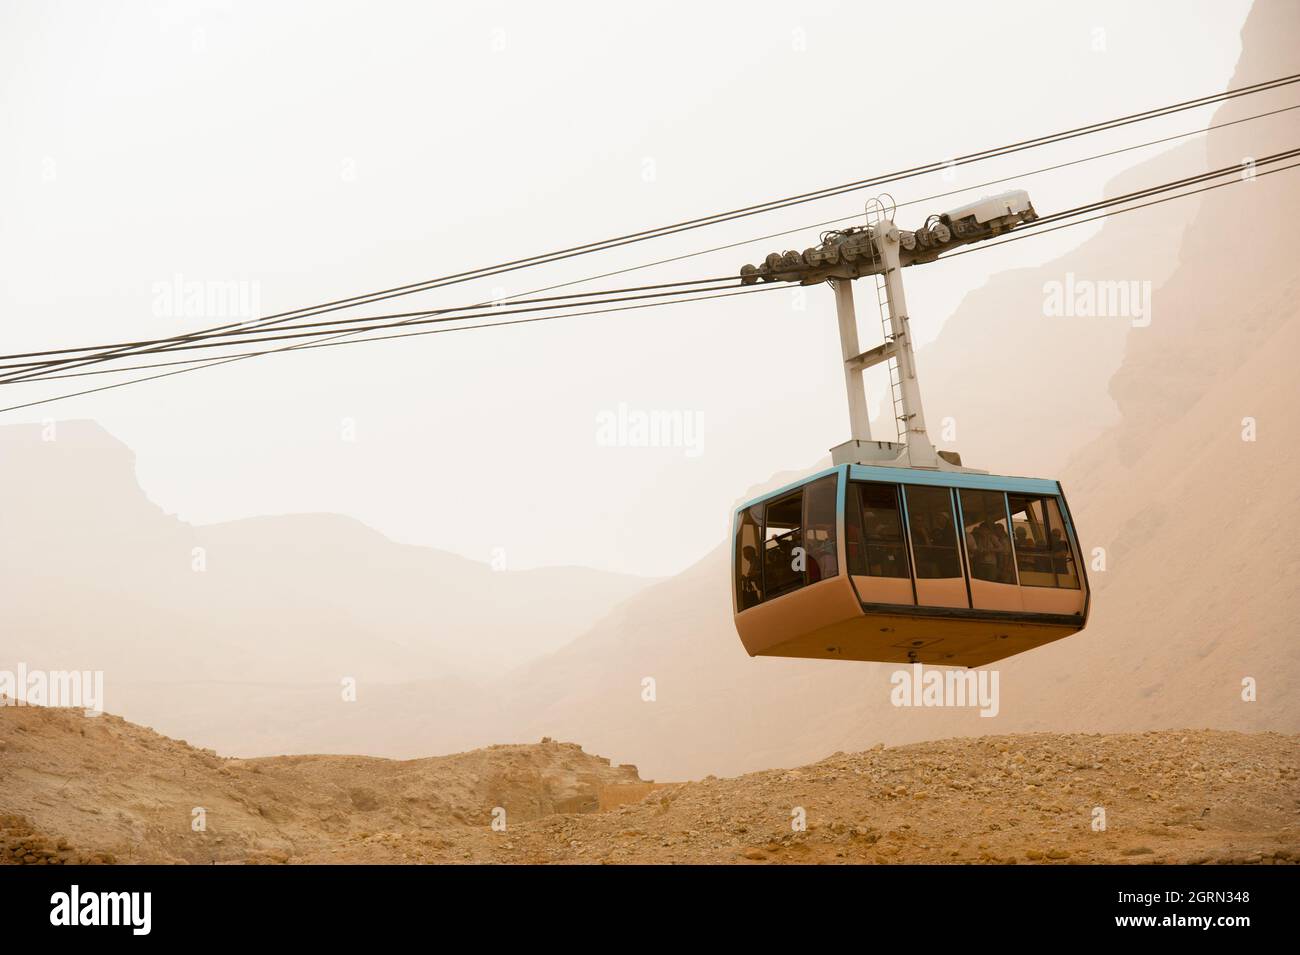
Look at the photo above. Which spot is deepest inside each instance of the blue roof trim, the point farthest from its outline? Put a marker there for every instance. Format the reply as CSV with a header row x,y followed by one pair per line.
x,y
982,482
890,475
791,486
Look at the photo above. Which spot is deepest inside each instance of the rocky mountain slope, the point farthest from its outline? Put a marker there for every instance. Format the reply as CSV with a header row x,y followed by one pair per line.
x,y
109,790
78,789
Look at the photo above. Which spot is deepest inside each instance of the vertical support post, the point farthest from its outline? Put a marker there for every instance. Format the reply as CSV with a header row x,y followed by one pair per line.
x,y
859,420
920,451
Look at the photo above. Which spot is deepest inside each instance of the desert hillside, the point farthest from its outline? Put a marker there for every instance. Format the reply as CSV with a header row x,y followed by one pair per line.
x,y
111,790
80,789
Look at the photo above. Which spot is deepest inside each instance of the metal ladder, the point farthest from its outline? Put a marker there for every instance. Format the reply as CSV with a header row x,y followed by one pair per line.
x,y
875,212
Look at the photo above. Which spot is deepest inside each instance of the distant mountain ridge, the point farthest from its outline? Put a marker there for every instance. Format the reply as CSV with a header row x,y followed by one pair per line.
x,y
91,568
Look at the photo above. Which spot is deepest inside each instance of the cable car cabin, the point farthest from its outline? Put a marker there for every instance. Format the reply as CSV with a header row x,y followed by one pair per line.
x,y
904,565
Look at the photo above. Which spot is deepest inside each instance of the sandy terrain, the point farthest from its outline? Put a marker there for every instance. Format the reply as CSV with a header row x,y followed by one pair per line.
x,y
78,789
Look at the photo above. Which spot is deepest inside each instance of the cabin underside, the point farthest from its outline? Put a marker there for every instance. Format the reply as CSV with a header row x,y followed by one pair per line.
x,y
937,638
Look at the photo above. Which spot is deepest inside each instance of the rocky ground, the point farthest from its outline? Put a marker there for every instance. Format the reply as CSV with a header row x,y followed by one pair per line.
x,y
84,790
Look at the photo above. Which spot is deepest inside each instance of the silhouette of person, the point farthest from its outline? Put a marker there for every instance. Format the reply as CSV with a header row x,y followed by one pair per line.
x,y
750,591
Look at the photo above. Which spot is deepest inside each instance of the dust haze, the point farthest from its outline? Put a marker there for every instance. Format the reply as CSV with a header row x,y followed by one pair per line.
x,y
361,651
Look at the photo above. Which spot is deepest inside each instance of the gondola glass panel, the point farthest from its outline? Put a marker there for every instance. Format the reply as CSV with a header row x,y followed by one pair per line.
x,y
1029,528
1045,558
1043,553
819,534
782,534
988,549
877,548
935,550
1062,553
749,569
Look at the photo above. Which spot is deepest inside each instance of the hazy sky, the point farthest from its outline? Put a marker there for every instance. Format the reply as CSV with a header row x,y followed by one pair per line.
x,y
317,150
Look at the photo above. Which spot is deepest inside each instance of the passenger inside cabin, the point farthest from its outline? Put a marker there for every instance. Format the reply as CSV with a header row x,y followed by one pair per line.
x,y
749,586
926,565
980,545
1002,547
817,556
1060,552
921,530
